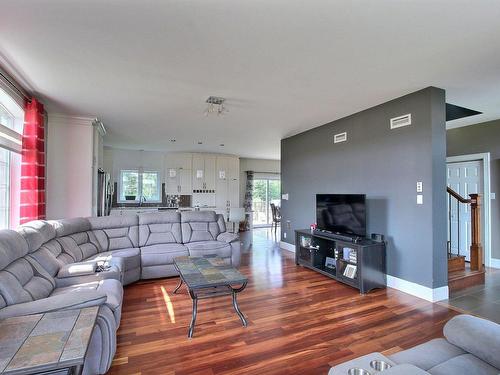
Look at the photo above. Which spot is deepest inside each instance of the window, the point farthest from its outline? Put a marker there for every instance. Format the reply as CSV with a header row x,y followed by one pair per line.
x,y
11,127
135,184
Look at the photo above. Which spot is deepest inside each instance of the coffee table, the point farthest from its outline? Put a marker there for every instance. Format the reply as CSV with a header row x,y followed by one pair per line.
x,y
208,277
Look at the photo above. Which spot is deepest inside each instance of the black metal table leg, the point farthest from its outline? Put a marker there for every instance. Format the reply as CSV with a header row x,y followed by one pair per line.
x,y
178,285
235,304
194,313
237,309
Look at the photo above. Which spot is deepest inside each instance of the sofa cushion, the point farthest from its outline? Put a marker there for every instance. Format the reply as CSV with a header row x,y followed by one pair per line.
x,y
36,233
66,227
199,226
116,232
218,248
465,364
12,246
429,354
159,227
162,254
475,335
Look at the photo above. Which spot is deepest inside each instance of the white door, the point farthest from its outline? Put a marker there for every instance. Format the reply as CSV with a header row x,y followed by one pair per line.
x,y
465,178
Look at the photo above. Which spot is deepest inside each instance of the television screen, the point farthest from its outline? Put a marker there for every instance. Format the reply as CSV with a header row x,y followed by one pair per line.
x,y
341,213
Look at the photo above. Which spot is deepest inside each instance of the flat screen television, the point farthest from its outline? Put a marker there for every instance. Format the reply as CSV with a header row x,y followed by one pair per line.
x,y
341,213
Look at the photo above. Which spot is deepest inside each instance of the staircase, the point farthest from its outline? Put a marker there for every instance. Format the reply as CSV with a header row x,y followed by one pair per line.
x,y
462,274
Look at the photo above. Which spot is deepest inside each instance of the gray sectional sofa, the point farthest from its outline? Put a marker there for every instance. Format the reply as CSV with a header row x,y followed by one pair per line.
x,y
471,346
55,265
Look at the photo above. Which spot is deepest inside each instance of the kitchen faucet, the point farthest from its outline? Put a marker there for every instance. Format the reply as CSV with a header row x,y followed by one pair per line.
x,y
142,199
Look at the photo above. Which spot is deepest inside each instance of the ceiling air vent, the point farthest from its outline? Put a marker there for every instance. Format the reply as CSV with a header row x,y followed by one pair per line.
x,y
399,122
341,137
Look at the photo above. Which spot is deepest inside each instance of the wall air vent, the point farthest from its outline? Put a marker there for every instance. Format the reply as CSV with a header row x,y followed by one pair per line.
x,y
399,122
341,137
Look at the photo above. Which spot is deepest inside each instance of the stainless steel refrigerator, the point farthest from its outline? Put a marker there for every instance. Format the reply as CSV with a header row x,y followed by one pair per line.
x,y
104,193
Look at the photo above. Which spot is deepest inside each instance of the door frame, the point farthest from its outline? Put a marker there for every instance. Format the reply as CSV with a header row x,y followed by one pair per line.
x,y
484,157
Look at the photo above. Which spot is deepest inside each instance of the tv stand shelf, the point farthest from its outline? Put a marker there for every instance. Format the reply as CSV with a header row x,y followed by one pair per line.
x,y
359,263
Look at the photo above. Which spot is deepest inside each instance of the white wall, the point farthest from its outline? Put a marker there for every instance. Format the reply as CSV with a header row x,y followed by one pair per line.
x,y
69,166
256,165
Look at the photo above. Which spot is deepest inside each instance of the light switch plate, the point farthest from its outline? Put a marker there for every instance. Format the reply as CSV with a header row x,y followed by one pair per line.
x,y
420,199
284,196
493,196
420,187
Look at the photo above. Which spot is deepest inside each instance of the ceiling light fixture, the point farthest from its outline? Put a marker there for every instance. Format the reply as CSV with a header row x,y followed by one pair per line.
x,y
215,104
221,145
173,140
200,142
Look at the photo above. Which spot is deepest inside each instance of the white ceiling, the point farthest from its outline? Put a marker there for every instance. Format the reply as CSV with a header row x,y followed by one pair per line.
x,y
146,67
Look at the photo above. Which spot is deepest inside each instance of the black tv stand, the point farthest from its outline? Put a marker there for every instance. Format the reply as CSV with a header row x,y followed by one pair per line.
x,y
360,263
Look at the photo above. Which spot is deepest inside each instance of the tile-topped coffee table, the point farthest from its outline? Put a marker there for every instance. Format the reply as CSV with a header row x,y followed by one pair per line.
x,y
43,343
208,277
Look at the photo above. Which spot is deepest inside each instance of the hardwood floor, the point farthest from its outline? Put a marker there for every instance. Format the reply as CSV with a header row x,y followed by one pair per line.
x,y
300,322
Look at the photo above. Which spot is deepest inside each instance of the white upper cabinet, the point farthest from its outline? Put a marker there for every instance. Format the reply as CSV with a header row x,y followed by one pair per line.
x,y
227,181
210,173
178,173
204,172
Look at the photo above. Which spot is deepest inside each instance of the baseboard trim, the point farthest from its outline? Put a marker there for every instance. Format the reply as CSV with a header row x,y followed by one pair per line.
x,y
417,290
287,246
494,263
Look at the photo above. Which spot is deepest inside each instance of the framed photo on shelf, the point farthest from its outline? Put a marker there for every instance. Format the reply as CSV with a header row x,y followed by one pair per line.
x,y
330,262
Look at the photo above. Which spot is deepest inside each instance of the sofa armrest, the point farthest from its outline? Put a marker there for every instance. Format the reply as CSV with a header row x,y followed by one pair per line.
x,y
477,336
228,237
77,269
66,301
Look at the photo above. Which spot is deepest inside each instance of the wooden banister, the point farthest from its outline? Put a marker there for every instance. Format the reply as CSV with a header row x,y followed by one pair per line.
x,y
476,250
457,196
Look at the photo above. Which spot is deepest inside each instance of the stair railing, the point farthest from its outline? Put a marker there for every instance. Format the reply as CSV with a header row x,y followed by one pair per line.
x,y
476,250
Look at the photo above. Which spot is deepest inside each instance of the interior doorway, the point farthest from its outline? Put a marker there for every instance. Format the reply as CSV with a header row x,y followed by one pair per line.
x,y
465,178
468,174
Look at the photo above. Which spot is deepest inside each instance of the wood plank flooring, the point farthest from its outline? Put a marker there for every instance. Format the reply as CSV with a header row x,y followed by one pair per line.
x,y
300,322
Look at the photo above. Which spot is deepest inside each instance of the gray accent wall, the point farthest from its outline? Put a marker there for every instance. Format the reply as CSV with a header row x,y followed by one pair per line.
x,y
385,165
484,137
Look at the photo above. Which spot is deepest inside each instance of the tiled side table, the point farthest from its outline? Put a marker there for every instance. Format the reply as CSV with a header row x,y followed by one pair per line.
x,y
45,343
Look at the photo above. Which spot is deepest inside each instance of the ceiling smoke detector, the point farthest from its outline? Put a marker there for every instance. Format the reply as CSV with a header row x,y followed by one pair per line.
x,y
215,104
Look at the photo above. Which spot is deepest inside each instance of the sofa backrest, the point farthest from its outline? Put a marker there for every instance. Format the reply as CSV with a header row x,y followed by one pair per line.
x,y
116,232
76,238
22,279
201,226
159,228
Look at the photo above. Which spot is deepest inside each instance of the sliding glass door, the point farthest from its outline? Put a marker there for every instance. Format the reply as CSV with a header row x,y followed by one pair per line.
x,y
265,192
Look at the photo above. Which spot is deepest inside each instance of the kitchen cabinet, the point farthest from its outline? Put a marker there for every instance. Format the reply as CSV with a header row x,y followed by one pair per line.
x,y
227,182
178,174
204,172
178,181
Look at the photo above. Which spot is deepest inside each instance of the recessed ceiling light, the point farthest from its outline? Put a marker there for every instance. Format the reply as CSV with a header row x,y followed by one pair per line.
x,y
200,142
172,140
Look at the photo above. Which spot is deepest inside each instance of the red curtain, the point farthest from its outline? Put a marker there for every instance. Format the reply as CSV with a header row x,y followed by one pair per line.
x,y
33,164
